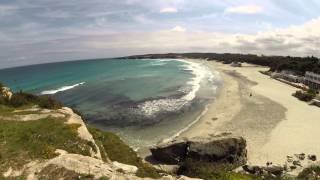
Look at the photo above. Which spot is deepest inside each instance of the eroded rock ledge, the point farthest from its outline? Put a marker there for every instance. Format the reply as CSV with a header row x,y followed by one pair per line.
x,y
221,149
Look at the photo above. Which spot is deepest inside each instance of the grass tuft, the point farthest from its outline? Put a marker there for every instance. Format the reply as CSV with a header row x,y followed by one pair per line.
x,y
117,150
210,171
22,142
312,172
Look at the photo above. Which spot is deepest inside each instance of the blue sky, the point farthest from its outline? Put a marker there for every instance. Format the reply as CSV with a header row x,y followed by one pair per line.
x,y
39,31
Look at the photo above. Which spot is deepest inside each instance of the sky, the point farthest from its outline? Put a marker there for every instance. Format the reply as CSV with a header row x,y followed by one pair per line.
x,y
41,31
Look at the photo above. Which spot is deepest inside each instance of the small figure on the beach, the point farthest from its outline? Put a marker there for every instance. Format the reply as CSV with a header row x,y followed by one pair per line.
x,y
250,94
269,163
301,156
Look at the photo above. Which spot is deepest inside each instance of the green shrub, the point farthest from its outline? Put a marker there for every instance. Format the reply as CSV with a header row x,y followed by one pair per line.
x,y
21,142
20,99
312,92
310,173
118,151
49,102
210,171
3,100
305,96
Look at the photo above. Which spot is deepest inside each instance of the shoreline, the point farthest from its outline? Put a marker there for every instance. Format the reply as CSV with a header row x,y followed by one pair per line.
x,y
263,111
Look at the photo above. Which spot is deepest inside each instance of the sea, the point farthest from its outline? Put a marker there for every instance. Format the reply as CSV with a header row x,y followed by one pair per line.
x,y
144,101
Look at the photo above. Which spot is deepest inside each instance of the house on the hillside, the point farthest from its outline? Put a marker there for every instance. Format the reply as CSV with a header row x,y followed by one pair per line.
x,y
312,80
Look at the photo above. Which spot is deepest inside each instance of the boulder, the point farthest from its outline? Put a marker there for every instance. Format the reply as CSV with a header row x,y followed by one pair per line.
x,y
170,153
222,149
6,93
128,169
225,149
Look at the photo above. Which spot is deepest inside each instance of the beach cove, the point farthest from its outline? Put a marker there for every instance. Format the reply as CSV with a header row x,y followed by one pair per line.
x,y
262,110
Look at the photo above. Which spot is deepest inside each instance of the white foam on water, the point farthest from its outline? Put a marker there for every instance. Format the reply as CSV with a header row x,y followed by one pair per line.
x,y
63,88
199,71
158,63
187,127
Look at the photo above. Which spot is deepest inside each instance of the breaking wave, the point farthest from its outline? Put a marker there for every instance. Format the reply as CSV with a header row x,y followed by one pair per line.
x,y
63,88
199,71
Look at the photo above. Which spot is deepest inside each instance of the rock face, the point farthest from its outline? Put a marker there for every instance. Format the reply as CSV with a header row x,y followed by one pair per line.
x,y
170,153
226,149
220,149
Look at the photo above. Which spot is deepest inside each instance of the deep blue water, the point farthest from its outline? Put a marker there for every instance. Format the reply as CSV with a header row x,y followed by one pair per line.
x,y
143,101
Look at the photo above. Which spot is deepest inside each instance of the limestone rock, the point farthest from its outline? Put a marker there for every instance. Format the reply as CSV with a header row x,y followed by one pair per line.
x,y
171,153
6,93
128,169
222,149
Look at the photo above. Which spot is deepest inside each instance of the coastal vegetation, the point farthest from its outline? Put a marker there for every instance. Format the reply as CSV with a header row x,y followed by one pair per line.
x,y
20,99
23,142
305,95
118,151
312,172
299,65
210,171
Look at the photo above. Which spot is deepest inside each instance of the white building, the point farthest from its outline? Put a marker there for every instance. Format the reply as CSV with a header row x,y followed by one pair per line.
x,y
312,80
288,76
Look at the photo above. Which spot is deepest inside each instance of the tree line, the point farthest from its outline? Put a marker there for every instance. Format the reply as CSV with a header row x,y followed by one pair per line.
x,y
299,65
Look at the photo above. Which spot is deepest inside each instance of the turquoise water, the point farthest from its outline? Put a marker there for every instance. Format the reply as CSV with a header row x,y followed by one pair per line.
x,y
143,101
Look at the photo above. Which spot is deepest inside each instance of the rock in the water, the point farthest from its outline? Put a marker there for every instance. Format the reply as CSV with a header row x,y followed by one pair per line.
x,y
219,149
225,149
172,153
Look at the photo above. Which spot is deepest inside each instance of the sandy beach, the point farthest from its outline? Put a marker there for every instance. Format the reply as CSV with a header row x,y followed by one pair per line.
x,y
261,109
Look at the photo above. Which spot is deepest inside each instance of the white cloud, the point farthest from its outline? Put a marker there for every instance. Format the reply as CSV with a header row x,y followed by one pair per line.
x,y
300,40
244,9
6,10
142,19
169,10
178,29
